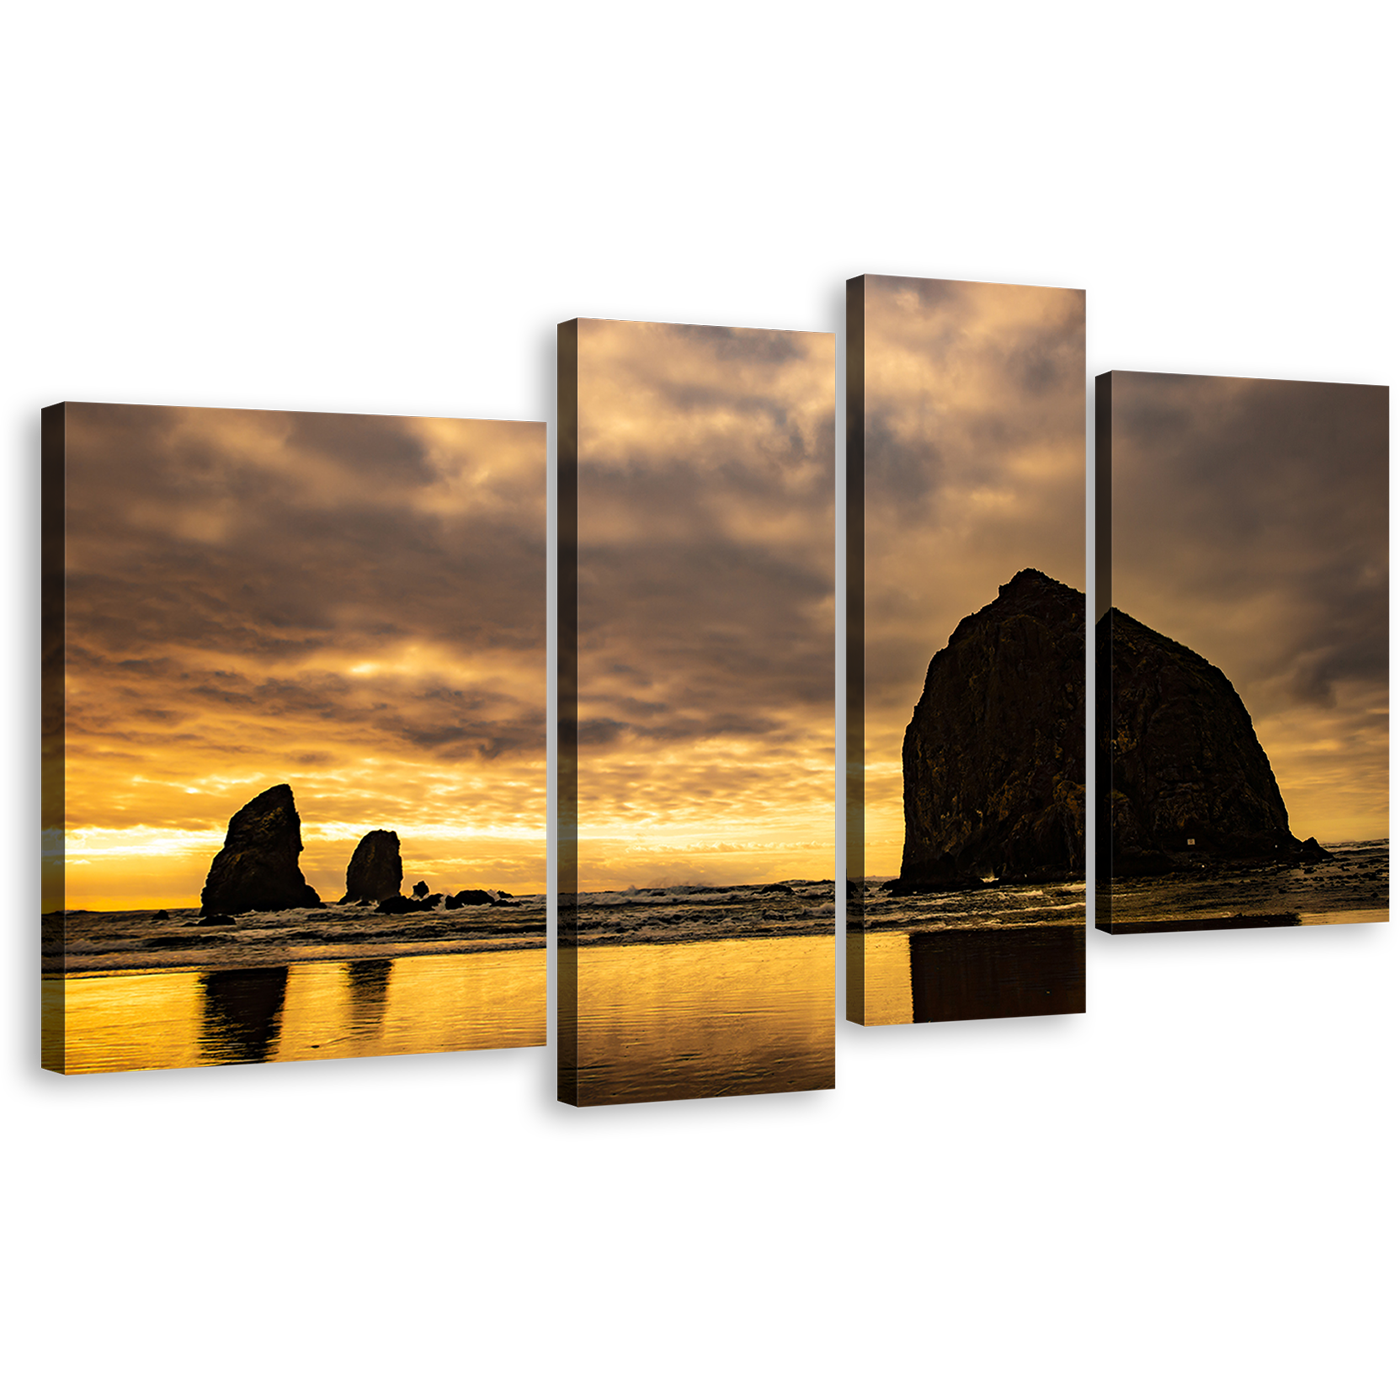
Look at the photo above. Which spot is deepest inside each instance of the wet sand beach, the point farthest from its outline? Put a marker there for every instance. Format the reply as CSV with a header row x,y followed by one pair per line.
x,y
706,1019
310,1011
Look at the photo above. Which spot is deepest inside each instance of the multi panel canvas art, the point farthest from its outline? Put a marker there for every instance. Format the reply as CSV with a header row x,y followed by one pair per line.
x,y
696,711
294,736
1243,652
965,660
294,698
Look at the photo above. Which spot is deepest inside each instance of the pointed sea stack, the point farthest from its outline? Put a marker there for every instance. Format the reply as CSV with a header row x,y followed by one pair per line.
x,y
375,871
257,868
1184,778
994,755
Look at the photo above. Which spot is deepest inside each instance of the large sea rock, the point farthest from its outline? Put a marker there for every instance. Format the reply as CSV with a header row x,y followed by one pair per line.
x,y
994,755
257,868
1183,776
375,871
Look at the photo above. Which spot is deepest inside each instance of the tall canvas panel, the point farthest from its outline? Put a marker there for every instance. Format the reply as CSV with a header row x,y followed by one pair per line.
x,y
1242,652
294,736
965,650
696,711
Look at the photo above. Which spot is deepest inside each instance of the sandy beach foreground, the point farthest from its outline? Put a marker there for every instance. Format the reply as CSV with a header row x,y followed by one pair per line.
x,y
704,1019
304,1011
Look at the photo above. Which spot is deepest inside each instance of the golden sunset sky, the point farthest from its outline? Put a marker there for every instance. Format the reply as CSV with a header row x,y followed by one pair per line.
x,y
974,470
1250,523
706,605
353,605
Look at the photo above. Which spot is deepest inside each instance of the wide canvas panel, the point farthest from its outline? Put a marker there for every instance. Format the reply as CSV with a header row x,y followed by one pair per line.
x,y
696,711
294,736
965,662
1242,602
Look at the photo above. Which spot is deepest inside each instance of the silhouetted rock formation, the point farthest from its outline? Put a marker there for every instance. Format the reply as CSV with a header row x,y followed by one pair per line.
x,y
402,904
1184,778
257,868
420,889
994,755
375,871
463,898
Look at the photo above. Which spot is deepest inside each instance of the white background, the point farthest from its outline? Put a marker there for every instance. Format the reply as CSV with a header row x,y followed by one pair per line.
x,y
270,192
1210,1214
369,208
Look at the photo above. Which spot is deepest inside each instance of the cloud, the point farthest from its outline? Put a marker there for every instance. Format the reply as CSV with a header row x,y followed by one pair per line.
x,y
706,584
1250,522
974,469
353,603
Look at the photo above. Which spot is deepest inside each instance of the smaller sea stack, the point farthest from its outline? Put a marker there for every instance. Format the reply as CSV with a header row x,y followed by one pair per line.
x,y
375,871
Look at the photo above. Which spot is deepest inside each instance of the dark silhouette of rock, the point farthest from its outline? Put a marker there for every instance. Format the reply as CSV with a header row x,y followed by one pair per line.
x,y
994,754
375,871
402,904
463,898
1183,777
420,889
160,914
257,868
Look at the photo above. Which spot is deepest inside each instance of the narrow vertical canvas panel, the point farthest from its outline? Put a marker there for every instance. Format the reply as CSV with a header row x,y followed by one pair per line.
x,y
1242,652
696,711
294,736
965,664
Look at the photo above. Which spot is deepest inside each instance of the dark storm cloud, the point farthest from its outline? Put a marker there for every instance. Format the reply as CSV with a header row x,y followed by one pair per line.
x,y
1250,522
747,346
241,550
1260,499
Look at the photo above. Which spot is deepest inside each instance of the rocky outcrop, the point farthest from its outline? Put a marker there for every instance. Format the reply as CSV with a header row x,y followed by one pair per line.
x,y
257,868
420,889
994,754
402,904
1183,777
464,898
375,871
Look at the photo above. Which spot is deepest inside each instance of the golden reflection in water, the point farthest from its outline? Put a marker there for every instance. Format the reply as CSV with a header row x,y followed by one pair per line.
x,y
700,1020
141,1021
318,1010
889,999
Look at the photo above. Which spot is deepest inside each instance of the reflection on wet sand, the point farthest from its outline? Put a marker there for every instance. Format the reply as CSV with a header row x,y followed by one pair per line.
x,y
976,974
242,1013
323,1010
705,1019
369,992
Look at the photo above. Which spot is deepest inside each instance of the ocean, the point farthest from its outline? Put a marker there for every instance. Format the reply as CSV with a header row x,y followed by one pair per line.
x,y
1004,950
1353,887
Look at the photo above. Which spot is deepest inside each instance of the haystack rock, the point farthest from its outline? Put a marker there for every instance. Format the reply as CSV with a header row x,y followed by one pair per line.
x,y
375,871
994,755
257,868
1184,777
